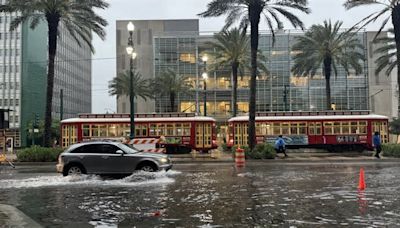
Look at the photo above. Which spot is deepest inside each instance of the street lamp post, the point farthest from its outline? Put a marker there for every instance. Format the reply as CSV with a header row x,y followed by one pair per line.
x,y
205,77
132,55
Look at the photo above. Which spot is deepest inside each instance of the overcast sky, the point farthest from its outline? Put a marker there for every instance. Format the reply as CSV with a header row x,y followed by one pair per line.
x,y
104,62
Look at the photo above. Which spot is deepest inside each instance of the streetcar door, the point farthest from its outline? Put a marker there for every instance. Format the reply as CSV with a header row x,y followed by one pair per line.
x,y
382,128
203,135
240,138
315,133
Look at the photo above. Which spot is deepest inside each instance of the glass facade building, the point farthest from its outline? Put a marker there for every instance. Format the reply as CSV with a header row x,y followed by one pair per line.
x,y
279,90
23,74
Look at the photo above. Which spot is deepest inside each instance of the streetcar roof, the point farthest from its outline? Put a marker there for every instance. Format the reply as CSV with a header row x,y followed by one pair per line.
x,y
126,120
308,118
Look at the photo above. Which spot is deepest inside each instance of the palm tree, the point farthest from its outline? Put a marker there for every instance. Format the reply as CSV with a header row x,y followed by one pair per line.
x,y
78,17
119,85
248,12
391,7
387,52
231,49
169,83
327,47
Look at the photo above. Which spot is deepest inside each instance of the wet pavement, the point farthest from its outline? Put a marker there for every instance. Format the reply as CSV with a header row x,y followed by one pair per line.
x,y
317,194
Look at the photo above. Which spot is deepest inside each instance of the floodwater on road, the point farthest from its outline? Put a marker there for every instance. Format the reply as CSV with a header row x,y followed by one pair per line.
x,y
211,195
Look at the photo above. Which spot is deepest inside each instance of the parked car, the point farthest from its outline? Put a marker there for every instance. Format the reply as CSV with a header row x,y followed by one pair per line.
x,y
109,158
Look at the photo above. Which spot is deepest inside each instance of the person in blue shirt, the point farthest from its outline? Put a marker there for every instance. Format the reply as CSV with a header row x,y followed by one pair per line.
x,y
280,145
376,139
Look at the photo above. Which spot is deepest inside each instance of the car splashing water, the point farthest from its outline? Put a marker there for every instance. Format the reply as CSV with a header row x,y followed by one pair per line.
x,y
136,179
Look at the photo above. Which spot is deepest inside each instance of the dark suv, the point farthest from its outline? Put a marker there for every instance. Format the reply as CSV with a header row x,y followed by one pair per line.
x,y
109,158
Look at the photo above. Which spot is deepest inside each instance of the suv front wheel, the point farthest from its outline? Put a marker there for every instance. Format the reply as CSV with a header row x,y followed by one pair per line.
x,y
147,167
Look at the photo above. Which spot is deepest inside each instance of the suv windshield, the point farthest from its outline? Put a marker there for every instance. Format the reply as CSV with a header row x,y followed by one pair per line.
x,y
128,148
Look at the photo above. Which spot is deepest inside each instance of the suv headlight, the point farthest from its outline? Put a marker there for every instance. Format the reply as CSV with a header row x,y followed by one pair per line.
x,y
164,160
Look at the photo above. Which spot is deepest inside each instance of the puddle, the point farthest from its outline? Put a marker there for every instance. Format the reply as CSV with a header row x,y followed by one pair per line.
x,y
136,179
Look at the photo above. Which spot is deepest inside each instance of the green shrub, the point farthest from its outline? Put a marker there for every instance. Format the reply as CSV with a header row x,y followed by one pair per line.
x,y
39,154
225,147
391,150
261,151
265,150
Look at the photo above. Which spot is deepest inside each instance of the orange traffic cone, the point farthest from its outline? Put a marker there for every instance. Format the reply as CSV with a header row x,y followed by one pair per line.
x,y
361,181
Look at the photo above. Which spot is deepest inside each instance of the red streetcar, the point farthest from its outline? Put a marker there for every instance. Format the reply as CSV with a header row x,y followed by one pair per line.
x,y
333,130
182,131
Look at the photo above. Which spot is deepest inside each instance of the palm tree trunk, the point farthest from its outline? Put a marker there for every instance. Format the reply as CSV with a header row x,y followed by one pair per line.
x,y
328,71
52,22
396,26
172,101
235,66
254,17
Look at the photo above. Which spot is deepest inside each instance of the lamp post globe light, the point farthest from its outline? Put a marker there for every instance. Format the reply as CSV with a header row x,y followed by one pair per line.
x,y
132,55
205,77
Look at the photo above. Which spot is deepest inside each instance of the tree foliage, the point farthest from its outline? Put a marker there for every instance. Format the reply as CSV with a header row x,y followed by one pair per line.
x,y
248,14
119,86
169,83
78,17
231,49
387,59
326,46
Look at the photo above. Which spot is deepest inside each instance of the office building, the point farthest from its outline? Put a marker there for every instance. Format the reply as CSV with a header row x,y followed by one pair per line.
x,y
181,50
23,76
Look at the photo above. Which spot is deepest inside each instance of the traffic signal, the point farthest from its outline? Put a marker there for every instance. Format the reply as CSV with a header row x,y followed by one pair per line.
x,y
36,120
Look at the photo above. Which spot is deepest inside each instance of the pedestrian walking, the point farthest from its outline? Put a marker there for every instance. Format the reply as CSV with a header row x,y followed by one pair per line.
x,y
280,146
377,144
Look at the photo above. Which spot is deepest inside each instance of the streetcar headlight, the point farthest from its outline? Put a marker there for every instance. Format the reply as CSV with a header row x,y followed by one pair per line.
x,y
164,160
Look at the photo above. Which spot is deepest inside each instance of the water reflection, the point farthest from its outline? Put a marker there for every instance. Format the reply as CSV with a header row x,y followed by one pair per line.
x,y
213,196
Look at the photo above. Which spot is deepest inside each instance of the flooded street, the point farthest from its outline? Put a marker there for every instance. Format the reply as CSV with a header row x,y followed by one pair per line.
x,y
211,195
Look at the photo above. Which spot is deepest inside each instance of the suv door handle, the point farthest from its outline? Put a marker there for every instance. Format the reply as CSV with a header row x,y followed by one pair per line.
x,y
104,156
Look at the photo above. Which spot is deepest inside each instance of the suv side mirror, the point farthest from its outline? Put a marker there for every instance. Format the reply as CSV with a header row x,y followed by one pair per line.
x,y
120,152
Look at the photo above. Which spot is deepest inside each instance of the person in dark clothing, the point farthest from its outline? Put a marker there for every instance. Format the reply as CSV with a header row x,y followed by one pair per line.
x,y
280,146
377,144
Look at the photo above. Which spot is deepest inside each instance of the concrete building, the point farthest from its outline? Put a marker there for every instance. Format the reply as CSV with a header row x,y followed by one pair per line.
x,y
23,74
180,48
143,39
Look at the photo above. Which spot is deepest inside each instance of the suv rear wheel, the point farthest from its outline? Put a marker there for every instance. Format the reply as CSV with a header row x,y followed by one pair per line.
x,y
74,170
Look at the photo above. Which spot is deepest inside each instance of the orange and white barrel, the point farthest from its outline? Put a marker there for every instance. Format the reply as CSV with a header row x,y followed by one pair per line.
x,y
239,157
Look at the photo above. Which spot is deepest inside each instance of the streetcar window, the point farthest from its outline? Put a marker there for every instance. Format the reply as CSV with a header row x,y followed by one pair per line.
x,y
318,128
86,130
259,129
170,129
152,131
328,128
277,128
94,130
103,130
362,127
269,129
112,130
141,130
186,129
336,128
345,128
311,128
354,128
285,128
160,130
178,129
302,128
294,127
